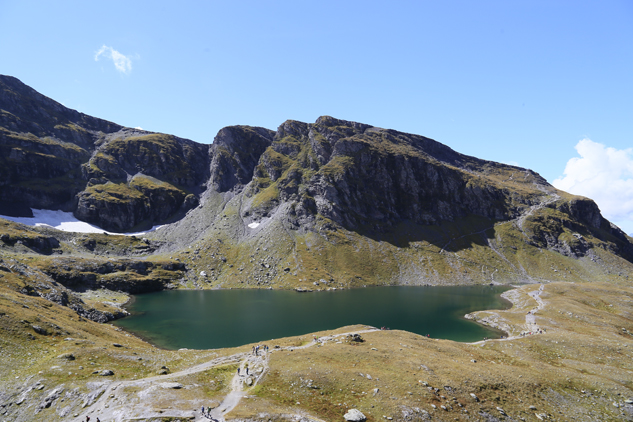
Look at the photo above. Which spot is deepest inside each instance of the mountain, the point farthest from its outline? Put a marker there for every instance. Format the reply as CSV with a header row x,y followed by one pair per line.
x,y
118,178
330,204
309,206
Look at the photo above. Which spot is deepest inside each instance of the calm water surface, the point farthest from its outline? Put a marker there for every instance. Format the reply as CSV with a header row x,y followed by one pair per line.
x,y
209,319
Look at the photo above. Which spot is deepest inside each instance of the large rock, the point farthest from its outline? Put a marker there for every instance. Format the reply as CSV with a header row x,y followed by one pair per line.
x,y
236,151
354,415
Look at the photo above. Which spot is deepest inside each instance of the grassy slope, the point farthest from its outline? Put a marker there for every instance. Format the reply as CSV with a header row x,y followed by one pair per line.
x,y
474,250
575,371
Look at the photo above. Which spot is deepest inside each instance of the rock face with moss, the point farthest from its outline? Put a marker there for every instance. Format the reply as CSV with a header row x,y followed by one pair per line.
x,y
118,178
357,175
382,206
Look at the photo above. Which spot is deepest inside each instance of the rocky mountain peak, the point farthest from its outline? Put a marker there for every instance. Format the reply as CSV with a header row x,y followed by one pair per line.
x,y
316,177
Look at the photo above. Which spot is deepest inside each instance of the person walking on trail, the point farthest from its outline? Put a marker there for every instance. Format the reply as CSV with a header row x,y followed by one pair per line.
x,y
238,370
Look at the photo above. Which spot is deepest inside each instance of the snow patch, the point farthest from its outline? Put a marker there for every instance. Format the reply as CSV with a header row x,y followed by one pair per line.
x,y
253,225
64,221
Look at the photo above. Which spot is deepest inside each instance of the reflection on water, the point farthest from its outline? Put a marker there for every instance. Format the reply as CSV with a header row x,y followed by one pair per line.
x,y
205,319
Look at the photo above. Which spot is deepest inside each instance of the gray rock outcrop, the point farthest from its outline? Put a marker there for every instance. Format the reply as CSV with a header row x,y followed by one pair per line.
x,y
354,415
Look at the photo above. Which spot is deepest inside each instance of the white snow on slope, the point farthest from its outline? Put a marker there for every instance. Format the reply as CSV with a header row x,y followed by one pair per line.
x,y
64,221
253,225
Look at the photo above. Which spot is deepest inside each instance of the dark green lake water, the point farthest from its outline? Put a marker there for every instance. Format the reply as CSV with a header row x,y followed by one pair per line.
x,y
209,319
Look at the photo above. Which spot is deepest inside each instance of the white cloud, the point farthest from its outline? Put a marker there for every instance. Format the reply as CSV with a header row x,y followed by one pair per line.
x,y
122,63
605,175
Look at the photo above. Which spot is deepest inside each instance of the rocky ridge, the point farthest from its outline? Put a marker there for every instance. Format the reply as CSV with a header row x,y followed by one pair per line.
x,y
330,204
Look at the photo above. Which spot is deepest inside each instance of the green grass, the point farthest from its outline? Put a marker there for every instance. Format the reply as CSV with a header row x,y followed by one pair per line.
x,y
114,192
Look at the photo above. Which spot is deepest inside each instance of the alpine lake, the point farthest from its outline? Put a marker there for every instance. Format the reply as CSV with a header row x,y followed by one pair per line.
x,y
211,319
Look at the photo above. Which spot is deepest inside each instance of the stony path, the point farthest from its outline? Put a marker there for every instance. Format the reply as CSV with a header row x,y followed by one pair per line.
x,y
258,367
531,327
530,318
107,410
521,219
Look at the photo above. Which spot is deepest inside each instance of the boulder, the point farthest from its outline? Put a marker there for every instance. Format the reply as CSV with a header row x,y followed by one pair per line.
x,y
40,330
171,385
66,356
354,415
106,373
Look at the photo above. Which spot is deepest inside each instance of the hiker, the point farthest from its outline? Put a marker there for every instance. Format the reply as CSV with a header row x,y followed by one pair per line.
x,y
202,410
238,370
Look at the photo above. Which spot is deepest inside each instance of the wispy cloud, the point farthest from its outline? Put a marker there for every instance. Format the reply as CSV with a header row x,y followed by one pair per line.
x,y
121,62
603,174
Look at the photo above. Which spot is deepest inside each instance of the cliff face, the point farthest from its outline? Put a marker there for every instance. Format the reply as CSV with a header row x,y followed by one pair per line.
x,y
118,178
357,175
343,182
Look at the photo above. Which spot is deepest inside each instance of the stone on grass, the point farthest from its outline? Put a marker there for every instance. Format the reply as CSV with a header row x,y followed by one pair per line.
x,y
171,385
40,330
67,356
354,415
106,373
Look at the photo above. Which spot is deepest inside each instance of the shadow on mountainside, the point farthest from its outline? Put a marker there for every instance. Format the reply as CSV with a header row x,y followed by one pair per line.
x,y
450,236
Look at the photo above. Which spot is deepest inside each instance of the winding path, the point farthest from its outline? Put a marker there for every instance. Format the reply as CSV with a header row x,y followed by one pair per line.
x,y
257,366
531,327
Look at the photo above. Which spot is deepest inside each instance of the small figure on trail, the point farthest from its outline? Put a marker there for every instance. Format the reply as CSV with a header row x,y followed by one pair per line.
x,y
202,410
247,370
238,370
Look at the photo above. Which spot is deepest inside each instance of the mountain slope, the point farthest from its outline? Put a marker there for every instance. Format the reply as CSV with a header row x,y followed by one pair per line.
x,y
56,158
329,204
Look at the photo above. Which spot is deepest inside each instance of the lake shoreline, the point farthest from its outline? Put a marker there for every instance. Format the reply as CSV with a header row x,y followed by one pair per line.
x,y
233,317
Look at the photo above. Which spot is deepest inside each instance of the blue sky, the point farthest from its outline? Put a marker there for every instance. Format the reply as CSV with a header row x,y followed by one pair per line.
x,y
521,82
